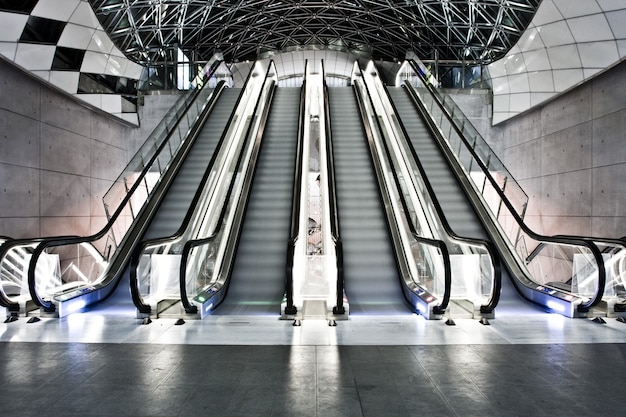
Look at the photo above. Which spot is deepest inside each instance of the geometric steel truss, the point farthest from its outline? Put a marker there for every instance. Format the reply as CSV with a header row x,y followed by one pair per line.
x,y
457,30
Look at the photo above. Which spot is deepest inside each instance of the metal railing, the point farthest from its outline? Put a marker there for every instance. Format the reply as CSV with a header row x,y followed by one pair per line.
x,y
562,269
62,268
424,261
296,196
207,259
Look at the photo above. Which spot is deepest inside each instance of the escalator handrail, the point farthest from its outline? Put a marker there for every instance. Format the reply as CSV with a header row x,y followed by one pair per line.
x,y
248,176
5,248
74,239
490,246
296,194
142,245
139,249
45,243
439,244
190,98
567,240
332,200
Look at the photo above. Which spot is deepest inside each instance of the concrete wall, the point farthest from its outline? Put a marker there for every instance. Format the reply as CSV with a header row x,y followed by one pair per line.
x,y
569,155
57,158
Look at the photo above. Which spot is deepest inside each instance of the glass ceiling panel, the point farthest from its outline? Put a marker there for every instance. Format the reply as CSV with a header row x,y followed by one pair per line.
x,y
471,30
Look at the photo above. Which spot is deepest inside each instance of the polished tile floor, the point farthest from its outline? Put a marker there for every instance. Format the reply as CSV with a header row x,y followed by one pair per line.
x,y
522,364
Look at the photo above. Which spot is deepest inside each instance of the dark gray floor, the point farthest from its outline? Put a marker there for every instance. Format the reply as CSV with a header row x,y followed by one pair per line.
x,y
78,379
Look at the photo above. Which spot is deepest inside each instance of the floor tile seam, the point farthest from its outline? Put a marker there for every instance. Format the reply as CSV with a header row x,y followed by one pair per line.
x,y
169,374
444,398
190,393
317,382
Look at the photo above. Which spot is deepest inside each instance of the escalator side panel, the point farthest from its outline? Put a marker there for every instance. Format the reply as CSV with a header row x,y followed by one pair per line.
x,y
175,204
456,206
257,282
458,211
371,277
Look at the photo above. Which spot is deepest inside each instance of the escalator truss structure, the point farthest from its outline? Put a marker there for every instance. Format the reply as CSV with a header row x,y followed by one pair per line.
x,y
455,30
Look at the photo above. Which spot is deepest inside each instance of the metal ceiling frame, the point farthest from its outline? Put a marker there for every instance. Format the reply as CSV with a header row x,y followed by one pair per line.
x,y
454,30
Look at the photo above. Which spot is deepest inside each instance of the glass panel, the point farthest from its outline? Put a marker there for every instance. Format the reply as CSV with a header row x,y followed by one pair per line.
x,y
615,265
62,272
550,262
82,265
14,272
420,226
158,270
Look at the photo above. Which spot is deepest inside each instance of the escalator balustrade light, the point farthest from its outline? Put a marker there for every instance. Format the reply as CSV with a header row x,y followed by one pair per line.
x,y
75,305
420,308
546,290
555,306
201,299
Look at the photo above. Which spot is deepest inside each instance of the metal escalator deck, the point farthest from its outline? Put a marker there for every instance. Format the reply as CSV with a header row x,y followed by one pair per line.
x,y
175,204
257,282
372,284
458,211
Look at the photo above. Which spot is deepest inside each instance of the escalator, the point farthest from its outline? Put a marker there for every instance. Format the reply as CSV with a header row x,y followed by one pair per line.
x,y
257,281
458,211
370,273
575,276
165,179
178,197
176,202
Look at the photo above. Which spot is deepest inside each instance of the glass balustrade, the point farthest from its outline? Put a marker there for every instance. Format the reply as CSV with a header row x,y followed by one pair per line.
x,y
424,260
567,267
86,263
201,242
14,294
473,275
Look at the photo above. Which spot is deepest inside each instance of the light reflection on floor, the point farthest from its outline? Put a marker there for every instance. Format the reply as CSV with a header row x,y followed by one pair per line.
x,y
407,329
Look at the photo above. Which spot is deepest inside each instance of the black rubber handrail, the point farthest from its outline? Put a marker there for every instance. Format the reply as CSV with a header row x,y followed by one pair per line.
x,y
248,176
296,194
439,244
332,202
496,261
573,240
69,239
5,248
45,243
139,249
75,239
